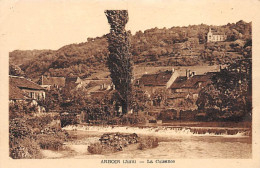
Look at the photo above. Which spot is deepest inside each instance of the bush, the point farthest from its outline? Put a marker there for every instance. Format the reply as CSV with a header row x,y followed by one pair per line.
x,y
149,142
28,135
50,142
26,148
95,148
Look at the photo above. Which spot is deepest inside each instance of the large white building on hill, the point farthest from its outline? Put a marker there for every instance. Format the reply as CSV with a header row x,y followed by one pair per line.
x,y
213,36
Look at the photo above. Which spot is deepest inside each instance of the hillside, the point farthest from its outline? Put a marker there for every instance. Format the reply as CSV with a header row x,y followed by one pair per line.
x,y
18,57
176,46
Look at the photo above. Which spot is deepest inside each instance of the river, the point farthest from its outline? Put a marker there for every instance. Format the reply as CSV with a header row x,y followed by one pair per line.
x,y
174,143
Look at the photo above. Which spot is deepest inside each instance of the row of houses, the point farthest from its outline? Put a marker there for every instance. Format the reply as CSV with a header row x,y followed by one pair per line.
x,y
21,88
168,90
165,89
171,83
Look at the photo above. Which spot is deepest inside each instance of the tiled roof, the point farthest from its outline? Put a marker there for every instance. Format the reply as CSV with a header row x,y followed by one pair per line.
x,y
159,79
72,82
183,82
60,81
178,82
72,79
177,95
15,93
22,82
191,82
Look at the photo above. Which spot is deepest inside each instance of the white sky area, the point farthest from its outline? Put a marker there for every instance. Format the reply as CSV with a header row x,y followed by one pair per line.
x,y
51,24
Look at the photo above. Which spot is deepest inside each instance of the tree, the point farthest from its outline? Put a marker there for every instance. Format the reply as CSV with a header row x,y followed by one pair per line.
x,y
230,94
15,70
119,60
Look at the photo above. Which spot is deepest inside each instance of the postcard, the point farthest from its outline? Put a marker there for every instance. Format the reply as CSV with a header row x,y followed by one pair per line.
x,y
120,83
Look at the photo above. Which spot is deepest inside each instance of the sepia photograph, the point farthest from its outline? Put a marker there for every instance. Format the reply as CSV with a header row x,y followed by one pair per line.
x,y
129,83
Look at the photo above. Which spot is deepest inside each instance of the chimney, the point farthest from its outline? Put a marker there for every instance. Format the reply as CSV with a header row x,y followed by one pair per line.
x,y
193,73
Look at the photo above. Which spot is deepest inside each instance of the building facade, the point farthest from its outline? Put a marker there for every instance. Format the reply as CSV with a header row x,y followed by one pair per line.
x,y
214,36
22,88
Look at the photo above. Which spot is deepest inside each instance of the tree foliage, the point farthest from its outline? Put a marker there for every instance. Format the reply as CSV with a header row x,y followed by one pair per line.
x,y
119,59
153,47
230,95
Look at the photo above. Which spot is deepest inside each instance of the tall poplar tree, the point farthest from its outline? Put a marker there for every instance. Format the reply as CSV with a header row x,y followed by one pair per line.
x,y
119,60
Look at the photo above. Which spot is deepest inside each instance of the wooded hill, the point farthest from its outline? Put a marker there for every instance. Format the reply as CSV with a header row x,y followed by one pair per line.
x,y
153,47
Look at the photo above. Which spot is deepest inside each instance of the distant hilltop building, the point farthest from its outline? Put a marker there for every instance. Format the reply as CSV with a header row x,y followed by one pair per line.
x,y
214,36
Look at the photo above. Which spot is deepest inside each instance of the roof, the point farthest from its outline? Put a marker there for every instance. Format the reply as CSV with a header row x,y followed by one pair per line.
x,y
102,94
15,93
178,82
191,82
73,79
159,79
72,82
24,83
177,95
183,82
60,81
217,33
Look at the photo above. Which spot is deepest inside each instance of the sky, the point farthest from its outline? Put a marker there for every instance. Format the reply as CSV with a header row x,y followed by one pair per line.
x,y
51,24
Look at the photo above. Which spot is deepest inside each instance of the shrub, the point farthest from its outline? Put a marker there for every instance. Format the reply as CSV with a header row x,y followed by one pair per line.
x,y
149,142
26,148
95,148
28,134
98,148
49,142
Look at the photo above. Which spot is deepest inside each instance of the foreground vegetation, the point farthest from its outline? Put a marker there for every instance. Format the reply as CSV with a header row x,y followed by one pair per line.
x,y
29,134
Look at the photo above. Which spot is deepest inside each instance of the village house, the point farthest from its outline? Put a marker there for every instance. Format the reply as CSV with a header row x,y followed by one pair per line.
x,y
48,82
22,88
173,93
16,94
155,85
150,83
191,84
214,36
25,91
184,92
99,87
74,83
